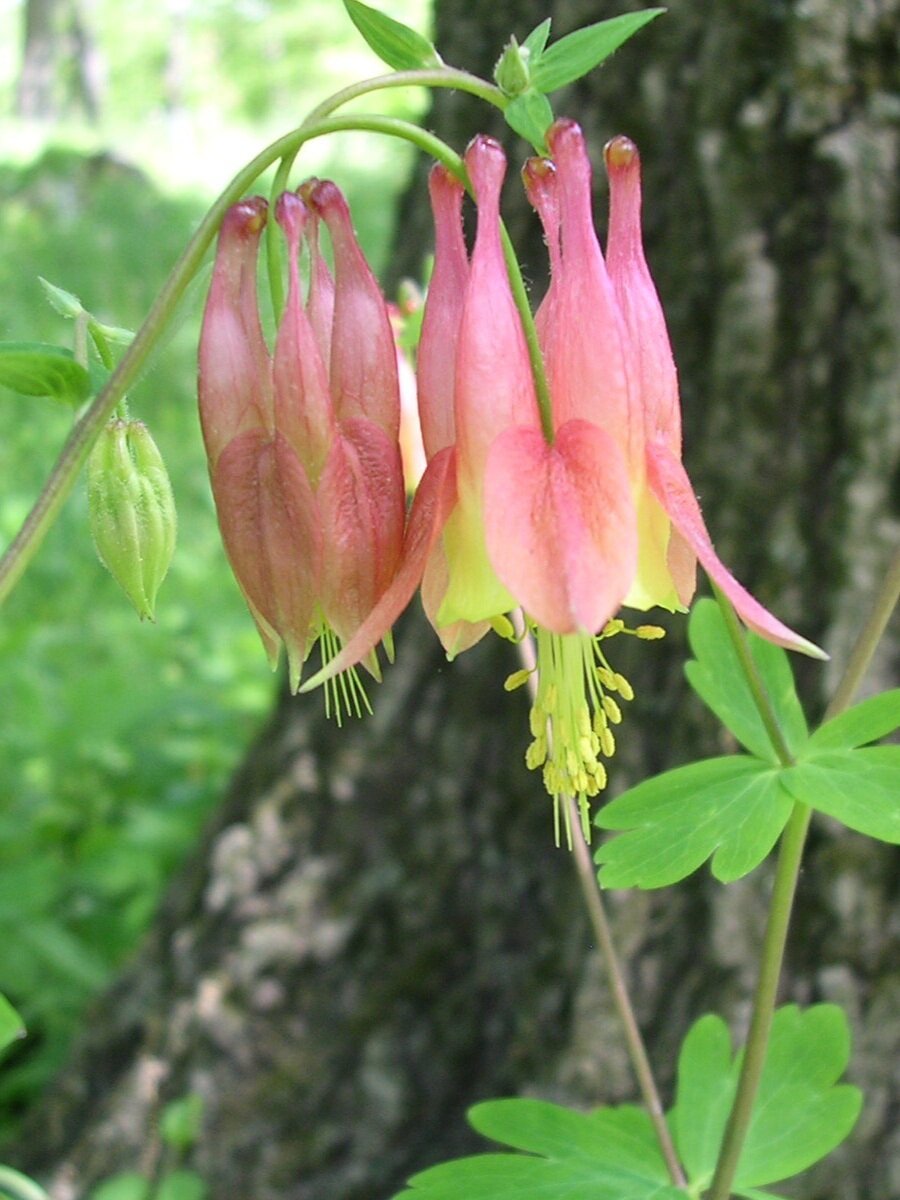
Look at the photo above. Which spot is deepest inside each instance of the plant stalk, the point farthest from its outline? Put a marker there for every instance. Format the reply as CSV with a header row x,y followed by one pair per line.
x,y
787,872
593,899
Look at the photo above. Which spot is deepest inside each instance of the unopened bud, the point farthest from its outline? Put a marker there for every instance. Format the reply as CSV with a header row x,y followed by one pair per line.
x,y
132,511
511,74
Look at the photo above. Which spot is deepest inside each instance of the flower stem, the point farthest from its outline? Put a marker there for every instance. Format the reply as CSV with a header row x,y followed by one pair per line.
x,y
637,1052
536,358
754,680
590,890
787,872
77,446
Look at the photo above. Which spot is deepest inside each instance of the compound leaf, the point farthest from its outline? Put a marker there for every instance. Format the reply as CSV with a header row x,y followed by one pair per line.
x,y
801,1112
609,1154
716,675
732,808
867,721
861,788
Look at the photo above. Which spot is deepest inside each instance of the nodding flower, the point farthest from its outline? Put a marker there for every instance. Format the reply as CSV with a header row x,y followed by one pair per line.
x,y
303,442
571,514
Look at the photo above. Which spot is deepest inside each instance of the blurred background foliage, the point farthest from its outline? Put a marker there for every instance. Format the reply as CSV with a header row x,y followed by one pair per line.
x,y
117,737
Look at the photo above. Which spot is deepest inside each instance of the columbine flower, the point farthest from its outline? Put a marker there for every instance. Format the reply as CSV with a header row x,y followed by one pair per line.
x,y
302,444
569,523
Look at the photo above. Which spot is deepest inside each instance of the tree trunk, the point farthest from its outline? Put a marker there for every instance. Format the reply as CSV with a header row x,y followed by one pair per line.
x,y
377,930
61,64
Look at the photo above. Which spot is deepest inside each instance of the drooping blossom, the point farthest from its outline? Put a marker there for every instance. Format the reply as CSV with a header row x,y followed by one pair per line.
x,y
572,521
303,443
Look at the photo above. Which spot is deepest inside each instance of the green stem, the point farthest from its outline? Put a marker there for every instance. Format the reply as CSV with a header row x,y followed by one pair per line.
x,y
76,448
754,680
436,77
787,872
520,296
637,1052
593,900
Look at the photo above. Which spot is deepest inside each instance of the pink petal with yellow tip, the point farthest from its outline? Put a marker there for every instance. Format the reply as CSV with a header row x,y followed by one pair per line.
x,y
560,525
435,497
672,487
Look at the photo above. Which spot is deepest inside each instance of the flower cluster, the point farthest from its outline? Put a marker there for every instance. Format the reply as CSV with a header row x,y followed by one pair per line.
x,y
565,500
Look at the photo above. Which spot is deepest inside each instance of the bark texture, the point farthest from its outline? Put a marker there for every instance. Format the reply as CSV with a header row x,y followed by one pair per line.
x,y
377,931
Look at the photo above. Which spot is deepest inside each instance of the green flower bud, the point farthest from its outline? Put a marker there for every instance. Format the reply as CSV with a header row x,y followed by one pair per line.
x,y
511,74
132,511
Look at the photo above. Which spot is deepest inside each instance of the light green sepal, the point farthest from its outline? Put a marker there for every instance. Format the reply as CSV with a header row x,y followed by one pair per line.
x,y
474,592
653,586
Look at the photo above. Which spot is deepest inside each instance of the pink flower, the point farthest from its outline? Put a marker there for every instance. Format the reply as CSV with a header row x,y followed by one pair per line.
x,y
302,444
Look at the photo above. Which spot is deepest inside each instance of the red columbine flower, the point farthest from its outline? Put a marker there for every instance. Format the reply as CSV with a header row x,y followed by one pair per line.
x,y
668,552
304,458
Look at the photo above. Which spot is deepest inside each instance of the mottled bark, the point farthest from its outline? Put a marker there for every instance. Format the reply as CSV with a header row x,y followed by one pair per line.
x,y
377,931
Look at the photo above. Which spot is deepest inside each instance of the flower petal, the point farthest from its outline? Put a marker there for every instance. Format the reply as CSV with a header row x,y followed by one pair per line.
x,y
560,524
672,487
303,410
270,528
443,312
363,373
362,503
434,499
234,383
649,356
584,333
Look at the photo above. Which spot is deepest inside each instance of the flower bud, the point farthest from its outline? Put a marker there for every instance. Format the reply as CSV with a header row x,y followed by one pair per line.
x,y
132,511
511,74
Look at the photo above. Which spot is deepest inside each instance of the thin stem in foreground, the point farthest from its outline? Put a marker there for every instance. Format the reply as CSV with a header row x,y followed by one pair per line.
x,y
590,890
787,872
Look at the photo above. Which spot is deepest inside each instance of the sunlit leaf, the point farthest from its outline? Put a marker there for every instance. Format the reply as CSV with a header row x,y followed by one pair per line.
x,y
530,116
38,369
609,1154
180,1121
800,1113
128,1185
395,43
16,1186
732,808
537,40
865,722
12,1027
859,787
579,52
181,1185
716,675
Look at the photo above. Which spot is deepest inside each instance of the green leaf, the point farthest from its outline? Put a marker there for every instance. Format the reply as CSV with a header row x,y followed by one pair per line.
x,y
530,116
859,787
716,675
865,722
732,808
581,51
66,303
181,1185
16,1186
180,1121
396,44
609,1154
38,369
128,1185
12,1027
799,1115
537,40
